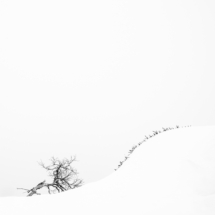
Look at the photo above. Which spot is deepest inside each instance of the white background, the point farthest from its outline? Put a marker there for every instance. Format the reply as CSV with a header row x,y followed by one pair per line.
x,y
92,78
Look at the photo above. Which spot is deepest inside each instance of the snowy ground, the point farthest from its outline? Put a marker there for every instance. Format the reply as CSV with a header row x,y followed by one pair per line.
x,y
172,173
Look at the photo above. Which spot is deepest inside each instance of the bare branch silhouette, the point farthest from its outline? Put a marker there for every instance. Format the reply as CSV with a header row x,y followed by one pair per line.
x,y
62,173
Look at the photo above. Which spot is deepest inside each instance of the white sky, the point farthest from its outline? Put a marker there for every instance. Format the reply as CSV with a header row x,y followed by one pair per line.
x,y
92,78
171,173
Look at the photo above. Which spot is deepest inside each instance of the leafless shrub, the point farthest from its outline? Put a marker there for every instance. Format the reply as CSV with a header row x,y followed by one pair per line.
x,y
61,173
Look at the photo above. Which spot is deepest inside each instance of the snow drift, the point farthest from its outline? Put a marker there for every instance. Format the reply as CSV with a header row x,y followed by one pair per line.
x,y
172,173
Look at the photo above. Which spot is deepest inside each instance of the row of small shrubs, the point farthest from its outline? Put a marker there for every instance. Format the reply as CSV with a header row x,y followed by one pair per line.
x,y
145,139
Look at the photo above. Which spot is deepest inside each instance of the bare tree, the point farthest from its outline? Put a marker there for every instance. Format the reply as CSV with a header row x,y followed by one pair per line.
x,y
62,173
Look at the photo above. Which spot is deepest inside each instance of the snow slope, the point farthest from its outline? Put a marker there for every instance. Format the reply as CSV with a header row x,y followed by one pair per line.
x,y
172,173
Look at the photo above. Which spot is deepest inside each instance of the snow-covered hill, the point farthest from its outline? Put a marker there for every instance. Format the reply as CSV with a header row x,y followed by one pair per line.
x,y
172,173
